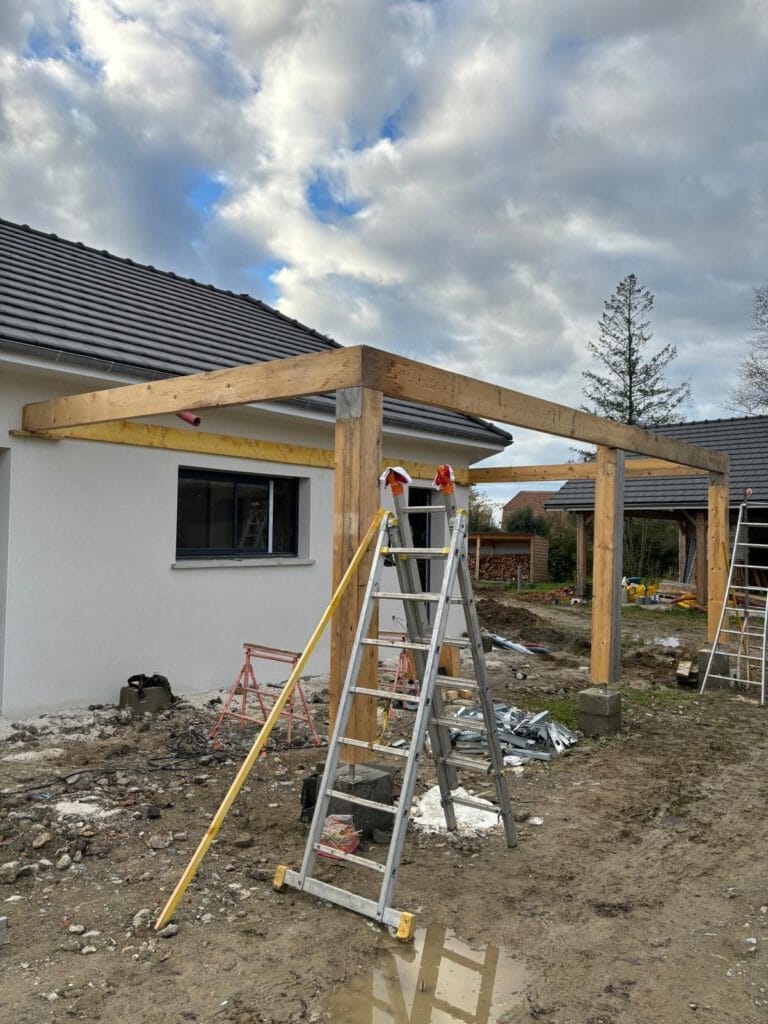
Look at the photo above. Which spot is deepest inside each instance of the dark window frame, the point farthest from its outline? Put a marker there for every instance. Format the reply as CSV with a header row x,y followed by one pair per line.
x,y
237,551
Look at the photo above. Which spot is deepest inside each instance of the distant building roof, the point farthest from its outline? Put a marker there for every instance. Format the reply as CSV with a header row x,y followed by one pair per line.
x,y
744,439
528,499
64,300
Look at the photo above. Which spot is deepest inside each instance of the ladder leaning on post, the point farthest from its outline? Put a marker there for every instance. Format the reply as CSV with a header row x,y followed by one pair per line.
x,y
424,640
742,632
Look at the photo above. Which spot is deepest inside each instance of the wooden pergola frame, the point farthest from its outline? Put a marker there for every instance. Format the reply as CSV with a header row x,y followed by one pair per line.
x,y
361,376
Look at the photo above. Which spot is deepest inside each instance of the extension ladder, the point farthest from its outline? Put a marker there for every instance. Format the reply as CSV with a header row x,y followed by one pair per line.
x,y
743,627
426,634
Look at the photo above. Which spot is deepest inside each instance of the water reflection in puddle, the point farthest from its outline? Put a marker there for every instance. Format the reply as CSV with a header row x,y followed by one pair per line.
x,y
437,979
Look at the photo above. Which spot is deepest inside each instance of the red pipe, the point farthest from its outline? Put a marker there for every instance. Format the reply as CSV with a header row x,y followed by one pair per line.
x,y
189,417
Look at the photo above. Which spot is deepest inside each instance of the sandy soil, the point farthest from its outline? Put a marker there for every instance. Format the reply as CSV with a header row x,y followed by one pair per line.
x,y
643,896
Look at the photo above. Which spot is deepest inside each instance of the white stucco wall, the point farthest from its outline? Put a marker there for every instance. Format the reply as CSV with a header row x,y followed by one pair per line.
x,y
93,594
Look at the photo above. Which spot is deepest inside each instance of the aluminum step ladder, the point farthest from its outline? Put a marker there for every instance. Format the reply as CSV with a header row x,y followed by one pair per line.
x,y
738,653
426,636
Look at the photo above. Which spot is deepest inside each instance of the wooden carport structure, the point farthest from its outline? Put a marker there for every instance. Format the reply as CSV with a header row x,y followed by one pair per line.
x,y
360,377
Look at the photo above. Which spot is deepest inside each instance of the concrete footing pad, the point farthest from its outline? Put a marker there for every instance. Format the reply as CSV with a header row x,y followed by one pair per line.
x,y
599,711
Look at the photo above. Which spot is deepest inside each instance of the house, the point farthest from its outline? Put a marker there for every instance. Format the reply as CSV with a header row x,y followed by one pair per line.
x,y
684,498
534,500
157,545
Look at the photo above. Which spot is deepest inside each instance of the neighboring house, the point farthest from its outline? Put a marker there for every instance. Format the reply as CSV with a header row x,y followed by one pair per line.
x,y
535,500
126,548
684,499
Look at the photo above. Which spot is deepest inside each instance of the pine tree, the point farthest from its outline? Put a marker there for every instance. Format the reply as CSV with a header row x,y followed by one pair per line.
x,y
633,390
750,395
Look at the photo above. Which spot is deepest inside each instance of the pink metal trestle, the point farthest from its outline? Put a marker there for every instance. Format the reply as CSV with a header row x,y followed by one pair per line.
x,y
246,685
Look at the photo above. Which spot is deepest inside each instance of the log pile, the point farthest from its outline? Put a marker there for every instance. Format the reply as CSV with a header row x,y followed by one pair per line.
x,y
501,567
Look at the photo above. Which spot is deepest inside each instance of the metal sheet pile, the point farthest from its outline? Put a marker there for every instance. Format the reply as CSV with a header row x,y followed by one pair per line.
x,y
531,735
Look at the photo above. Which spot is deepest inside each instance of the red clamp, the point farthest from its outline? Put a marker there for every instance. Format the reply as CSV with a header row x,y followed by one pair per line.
x,y
444,479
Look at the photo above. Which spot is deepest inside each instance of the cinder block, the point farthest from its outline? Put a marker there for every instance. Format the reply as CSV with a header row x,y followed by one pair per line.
x,y
370,784
599,711
721,666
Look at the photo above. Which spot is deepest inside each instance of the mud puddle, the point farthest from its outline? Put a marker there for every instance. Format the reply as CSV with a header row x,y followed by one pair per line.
x,y
437,979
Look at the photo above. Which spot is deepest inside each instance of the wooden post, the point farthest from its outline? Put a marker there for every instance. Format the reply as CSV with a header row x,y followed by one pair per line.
x,y
606,566
581,554
356,499
700,564
717,549
683,524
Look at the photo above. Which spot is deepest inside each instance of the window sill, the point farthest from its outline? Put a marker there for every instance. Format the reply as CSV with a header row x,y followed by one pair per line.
x,y
240,563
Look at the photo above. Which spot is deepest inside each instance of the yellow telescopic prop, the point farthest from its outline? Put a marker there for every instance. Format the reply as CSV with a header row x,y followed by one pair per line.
x,y
216,822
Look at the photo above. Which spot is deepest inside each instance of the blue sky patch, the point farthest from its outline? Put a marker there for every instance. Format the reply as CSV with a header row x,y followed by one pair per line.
x,y
325,204
204,193
263,288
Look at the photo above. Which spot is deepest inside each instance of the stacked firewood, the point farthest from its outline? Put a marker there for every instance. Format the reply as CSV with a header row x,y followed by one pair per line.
x,y
501,567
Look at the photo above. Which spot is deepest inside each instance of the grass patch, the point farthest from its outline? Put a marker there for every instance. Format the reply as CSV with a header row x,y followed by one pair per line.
x,y
561,707
671,613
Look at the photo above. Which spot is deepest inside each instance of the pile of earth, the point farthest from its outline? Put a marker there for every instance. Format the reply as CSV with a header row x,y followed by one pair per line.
x,y
520,624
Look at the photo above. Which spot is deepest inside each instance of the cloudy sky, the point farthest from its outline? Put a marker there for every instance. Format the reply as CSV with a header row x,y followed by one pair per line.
x,y
460,181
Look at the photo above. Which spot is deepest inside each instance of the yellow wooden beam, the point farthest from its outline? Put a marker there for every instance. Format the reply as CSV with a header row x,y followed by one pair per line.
x,y
577,471
149,435
405,378
258,382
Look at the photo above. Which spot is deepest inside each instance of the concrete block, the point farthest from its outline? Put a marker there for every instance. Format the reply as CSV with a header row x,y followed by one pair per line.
x,y
370,784
599,711
156,698
721,666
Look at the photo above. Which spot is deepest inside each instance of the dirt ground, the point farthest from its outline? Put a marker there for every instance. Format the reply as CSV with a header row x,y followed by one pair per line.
x,y
641,897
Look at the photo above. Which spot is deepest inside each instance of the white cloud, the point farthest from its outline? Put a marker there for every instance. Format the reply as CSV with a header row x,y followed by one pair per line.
x,y
536,153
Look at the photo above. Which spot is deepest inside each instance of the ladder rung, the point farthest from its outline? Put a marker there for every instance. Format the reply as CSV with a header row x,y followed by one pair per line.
x,y
457,641
399,596
417,552
343,898
422,508
467,801
746,589
380,748
457,722
468,762
367,691
749,565
457,683
362,862
408,645
741,632
361,800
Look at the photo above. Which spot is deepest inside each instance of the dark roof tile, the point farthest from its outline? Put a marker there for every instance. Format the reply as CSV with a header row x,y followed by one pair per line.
x,y
744,439
61,298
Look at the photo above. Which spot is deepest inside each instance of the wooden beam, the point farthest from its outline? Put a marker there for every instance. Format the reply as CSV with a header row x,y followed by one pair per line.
x,y
356,500
258,382
577,471
149,435
606,566
718,535
406,378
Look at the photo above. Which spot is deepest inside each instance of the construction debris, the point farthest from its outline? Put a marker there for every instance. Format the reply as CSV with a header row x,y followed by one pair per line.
x,y
521,733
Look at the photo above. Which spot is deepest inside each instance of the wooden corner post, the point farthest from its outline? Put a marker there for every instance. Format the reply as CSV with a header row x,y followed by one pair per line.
x,y
717,549
606,566
355,503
